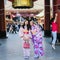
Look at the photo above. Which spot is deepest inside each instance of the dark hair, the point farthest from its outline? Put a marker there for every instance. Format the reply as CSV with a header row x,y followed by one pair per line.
x,y
28,25
23,25
52,19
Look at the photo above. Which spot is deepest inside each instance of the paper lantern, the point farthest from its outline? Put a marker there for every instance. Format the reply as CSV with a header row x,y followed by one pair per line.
x,y
22,3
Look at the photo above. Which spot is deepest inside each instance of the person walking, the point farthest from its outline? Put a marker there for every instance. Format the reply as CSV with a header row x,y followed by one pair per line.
x,y
14,28
54,31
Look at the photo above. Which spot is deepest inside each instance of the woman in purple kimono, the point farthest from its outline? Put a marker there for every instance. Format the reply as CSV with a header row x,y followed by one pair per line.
x,y
37,39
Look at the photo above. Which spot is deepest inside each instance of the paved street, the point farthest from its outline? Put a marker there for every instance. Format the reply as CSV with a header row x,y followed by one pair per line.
x,y
11,49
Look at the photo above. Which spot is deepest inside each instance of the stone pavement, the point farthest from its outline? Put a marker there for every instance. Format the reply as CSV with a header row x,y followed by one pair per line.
x,y
11,49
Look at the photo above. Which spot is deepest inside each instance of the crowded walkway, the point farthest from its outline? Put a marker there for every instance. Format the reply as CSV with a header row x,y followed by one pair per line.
x,y
11,49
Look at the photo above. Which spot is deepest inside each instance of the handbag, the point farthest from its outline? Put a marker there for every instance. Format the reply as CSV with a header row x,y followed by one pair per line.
x,y
26,45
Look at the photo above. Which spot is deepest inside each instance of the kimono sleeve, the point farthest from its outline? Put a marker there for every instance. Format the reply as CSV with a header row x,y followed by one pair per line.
x,y
41,35
30,35
21,32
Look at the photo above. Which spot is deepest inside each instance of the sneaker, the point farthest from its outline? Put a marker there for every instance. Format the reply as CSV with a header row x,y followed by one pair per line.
x,y
26,57
53,46
36,56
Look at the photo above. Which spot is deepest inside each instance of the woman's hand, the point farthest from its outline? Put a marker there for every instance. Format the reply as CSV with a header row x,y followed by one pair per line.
x,y
25,38
56,14
21,36
55,17
34,32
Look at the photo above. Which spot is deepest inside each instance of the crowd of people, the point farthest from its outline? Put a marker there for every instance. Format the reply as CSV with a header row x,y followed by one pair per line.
x,y
31,30
13,27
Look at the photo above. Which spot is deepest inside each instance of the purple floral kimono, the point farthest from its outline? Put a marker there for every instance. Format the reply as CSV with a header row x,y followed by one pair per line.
x,y
37,40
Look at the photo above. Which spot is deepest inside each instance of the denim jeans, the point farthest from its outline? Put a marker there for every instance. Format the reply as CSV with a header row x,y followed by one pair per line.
x,y
54,35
